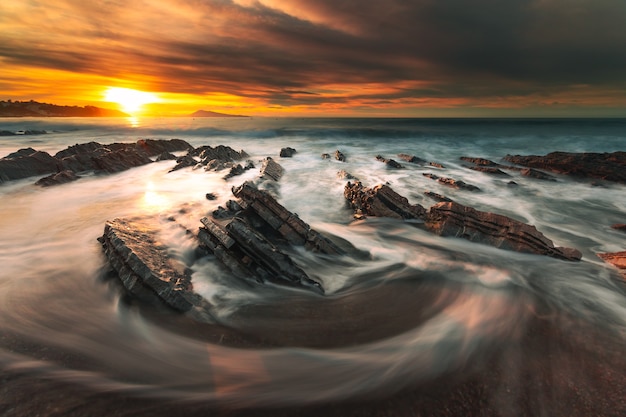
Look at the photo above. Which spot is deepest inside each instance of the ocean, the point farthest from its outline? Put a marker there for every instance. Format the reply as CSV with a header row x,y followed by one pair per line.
x,y
421,308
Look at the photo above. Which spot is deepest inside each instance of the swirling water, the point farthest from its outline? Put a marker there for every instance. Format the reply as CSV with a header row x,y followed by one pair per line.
x,y
420,306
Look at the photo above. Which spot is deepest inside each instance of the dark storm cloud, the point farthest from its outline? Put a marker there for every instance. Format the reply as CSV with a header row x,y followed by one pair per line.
x,y
288,50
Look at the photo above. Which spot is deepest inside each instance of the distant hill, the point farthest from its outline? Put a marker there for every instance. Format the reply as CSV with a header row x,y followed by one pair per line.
x,y
206,113
35,109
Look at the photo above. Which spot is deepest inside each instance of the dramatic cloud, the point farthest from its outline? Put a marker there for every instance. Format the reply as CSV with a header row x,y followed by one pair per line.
x,y
308,53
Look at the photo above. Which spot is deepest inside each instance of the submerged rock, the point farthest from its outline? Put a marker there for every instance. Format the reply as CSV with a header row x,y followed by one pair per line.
x,y
184,162
58,178
619,226
618,260
437,197
412,159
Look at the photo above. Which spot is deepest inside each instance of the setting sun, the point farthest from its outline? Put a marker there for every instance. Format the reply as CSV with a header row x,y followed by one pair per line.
x,y
130,100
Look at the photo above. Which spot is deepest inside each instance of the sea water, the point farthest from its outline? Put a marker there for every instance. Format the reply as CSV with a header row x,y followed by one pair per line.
x,y
417,307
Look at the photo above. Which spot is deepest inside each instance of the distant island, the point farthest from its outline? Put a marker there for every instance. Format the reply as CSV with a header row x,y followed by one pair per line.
x,y
35,109
206,113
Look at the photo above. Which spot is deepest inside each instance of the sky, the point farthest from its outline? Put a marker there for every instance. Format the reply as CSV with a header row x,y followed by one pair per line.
x,y
392,58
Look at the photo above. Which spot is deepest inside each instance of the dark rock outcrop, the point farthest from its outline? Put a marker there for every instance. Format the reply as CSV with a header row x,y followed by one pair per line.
x,y
605,166
154,147
538,175
220,152
479,161
389,162
27,163
238,170
287,152
339,156
461,185
58,178
453,219
184,161
380,201
166,156
143,265
247,237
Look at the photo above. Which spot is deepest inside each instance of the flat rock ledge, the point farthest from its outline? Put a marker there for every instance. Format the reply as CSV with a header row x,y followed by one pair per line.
x,y
144,266
453,219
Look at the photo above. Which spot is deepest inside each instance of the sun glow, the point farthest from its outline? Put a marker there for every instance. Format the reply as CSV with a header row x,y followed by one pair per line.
x,y
130,100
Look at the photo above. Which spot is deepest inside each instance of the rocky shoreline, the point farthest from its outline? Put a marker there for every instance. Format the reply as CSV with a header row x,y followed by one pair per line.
x,y
249,236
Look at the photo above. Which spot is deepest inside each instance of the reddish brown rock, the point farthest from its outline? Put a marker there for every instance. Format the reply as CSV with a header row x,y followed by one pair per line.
x,y
450,182
617,259
619,226
389,162
412,159
58,178
453,219
606,166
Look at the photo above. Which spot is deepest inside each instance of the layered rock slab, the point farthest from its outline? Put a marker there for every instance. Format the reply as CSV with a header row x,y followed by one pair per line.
x,y
144,266
457,220
618,260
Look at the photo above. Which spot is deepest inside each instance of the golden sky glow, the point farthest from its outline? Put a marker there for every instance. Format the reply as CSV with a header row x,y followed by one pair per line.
x,y
319,58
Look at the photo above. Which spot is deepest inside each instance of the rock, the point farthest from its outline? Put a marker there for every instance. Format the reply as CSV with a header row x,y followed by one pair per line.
x,y
533,173
411,158
325,156
389,162
144,265
381,201
121,160
287,152
271,170
453,219
619,226
211,196
238,170
436,165
247,239
79,149
605,166
437,197
220,152
25,163
490,170
287,224
343,175
154,147
58,178
617,259
452,182
479,161
166,156
339,156
184,162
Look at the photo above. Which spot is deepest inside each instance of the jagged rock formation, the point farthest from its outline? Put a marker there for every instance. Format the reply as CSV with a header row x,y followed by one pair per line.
x,y
461,185
144,266
380,201
27,163
246,239
271,170
91,156
389,162
339,156
605,166
453,219
490,167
